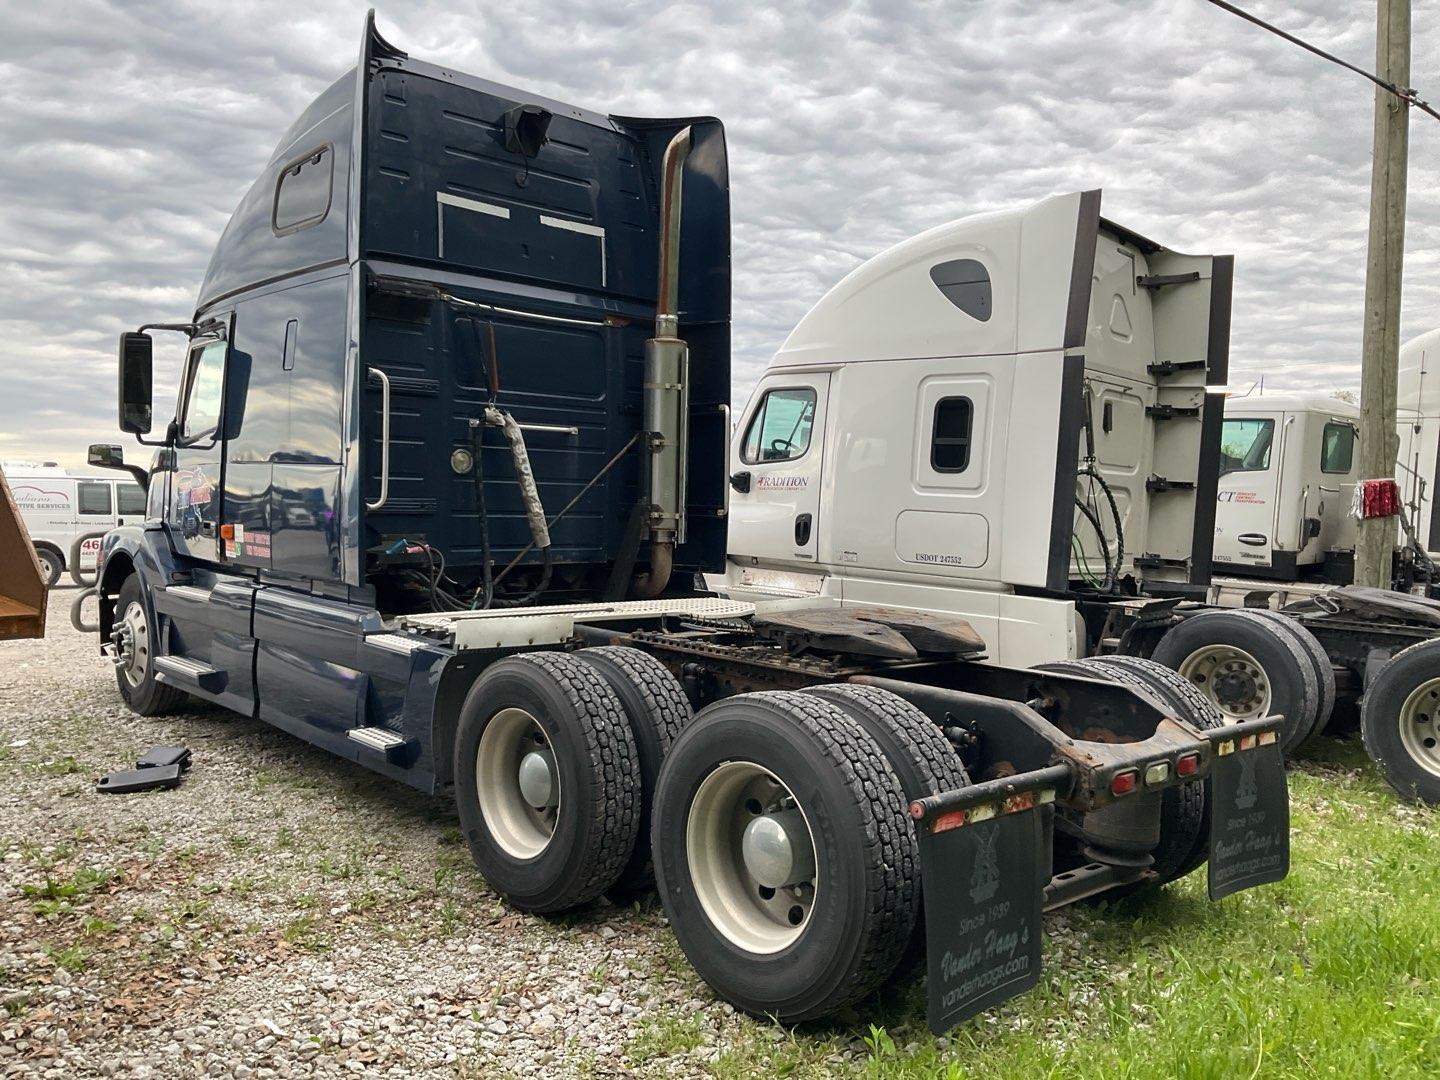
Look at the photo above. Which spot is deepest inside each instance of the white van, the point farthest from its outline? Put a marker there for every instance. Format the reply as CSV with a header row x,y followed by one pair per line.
x,y
59,508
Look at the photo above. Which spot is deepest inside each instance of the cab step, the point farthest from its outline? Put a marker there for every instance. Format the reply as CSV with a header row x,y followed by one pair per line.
x,y
190,674
381,740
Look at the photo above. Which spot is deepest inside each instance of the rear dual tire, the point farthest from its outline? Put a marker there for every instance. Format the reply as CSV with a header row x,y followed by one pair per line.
x,y
1184,843
1249,665
1400,721
784,855
547,781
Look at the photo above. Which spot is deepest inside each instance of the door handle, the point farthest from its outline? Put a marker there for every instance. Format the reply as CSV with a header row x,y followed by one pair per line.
x,y
802,529
740,481
1253,539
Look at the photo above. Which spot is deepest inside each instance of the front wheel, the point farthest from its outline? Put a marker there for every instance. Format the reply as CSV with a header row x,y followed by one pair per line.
x,y
135,638
1400,721
784,857
51,565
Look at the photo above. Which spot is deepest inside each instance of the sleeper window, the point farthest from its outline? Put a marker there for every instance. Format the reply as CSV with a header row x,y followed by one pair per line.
x,y
302,194
1337,448
950,435
780,428
966,284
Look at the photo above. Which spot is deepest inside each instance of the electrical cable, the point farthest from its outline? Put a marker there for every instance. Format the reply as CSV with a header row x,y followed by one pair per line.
x,y
1094,520
1405,94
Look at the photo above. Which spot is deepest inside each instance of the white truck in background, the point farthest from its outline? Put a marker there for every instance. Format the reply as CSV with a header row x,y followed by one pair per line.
x,y
61,511
966,426
1288,469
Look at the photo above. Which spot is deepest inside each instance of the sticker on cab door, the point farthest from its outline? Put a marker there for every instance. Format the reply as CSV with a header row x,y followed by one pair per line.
x,y
782,483
1248,498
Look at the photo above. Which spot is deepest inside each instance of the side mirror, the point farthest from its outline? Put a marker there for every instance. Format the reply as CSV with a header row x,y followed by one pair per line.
x,y
136,382
106,456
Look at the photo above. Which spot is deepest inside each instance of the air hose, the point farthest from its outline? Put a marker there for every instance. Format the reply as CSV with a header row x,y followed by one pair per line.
x,y
529,494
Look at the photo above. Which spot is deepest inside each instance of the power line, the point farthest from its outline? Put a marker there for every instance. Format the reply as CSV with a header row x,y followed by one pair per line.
x,y
1405,94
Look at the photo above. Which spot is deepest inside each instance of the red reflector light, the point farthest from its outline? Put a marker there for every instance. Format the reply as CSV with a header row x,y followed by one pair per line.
x,y
1187,764
1123,783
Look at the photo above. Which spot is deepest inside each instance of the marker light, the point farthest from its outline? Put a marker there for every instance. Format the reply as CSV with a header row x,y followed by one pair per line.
x,y
1157,773
1123,783
1187,764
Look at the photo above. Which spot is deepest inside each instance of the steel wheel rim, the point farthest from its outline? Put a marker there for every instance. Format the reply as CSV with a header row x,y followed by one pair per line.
x,y
134,643
1208,667
748,913
520,828
1420,726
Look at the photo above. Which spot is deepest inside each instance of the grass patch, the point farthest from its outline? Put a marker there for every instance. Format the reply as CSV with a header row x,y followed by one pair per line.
x,y
1334,972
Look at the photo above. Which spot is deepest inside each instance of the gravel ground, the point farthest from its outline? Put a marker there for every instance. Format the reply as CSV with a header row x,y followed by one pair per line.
x,y
286,913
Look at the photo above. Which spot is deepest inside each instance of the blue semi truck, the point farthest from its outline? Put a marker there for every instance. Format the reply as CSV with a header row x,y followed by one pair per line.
x,y
448,456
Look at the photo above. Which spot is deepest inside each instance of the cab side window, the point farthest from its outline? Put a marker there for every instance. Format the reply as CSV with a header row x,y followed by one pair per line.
x,y
1245,445
1337,448
780,428
93,497
204,391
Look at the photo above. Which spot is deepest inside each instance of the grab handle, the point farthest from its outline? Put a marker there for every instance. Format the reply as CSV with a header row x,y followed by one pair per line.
x,y
384,439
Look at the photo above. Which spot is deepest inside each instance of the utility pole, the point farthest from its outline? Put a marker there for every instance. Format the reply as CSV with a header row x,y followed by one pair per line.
x,y
1380,355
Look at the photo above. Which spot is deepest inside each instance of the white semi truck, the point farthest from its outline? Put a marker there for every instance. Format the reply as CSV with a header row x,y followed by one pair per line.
x,y
962,427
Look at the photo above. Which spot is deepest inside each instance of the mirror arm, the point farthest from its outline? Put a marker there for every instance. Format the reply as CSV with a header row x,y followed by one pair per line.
x,y
141,476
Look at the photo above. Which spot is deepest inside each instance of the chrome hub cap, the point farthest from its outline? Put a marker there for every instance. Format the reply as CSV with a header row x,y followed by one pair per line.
x,y
752,857
1420,726
517,783
1231,678
131,637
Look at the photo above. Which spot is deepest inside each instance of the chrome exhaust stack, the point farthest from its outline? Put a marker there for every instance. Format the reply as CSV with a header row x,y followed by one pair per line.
x,y
667,386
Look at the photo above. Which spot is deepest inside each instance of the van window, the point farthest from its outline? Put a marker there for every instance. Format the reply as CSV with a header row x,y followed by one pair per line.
x,y
130,498
780,429
302,193
1245,445
950,435
93,496
966,284
204,391
1337,448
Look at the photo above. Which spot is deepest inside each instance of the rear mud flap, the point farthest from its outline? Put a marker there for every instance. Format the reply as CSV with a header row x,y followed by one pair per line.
x,y
984,871
1249,815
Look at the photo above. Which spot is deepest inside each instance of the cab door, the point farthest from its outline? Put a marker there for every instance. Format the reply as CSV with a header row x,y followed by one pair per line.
x,y
1251,450
776,469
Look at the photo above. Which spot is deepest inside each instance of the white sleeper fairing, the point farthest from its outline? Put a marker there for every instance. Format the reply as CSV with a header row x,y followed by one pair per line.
x,y
1418,425
924,434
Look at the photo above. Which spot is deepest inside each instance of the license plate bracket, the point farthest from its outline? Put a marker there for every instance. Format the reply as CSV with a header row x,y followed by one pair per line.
x,y
1249,818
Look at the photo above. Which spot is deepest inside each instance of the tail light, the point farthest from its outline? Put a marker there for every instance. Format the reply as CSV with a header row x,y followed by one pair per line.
x,y
1187,764
1123,783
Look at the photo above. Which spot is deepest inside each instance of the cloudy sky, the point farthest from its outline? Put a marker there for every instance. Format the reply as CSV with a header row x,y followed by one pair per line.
x,y
131,130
